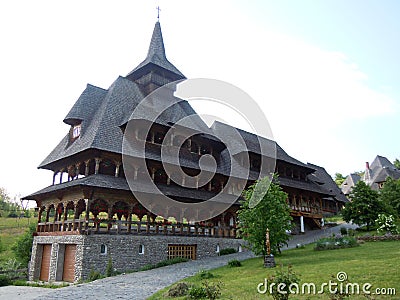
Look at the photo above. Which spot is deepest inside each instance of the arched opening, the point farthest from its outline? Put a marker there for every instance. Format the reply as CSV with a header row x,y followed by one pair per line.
x,y
98,206
59,212
107,167
121,209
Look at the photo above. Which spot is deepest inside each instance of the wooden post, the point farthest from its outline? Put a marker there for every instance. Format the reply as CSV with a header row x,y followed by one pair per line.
x,y
269,259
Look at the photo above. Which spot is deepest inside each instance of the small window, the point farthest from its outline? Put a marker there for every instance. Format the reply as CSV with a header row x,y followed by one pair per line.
x,y
217,249
76,131
103,249
141,249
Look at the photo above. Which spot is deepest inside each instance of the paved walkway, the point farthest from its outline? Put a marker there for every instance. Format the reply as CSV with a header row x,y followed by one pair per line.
x,y
141,285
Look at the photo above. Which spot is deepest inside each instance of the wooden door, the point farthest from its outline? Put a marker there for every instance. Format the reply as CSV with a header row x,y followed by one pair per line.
x,y
45,267
69,263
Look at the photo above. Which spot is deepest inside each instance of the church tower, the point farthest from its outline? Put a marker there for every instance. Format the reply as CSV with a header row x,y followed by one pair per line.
x,y
155,71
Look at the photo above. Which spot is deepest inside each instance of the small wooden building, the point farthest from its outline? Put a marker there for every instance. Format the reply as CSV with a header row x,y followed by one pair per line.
x,y
91,212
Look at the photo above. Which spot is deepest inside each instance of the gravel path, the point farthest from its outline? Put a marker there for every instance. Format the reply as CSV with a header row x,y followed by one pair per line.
x,y
141,285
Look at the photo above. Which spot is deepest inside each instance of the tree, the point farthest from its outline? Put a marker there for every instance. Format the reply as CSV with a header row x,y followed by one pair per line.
x,y
397,163
271,212
390,195
339,178
364,207
23,247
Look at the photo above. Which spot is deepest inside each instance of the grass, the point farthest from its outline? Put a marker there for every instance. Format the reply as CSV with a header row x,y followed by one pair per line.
x,y
10,230
375,262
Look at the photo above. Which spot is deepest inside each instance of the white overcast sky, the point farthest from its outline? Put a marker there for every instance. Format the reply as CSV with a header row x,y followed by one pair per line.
x,y
325,73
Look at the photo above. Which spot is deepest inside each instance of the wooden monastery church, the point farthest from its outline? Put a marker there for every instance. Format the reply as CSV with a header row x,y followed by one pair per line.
x,y
91,212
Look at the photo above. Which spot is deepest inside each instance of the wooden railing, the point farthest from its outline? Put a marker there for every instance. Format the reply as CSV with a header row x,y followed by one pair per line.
x,y
133,227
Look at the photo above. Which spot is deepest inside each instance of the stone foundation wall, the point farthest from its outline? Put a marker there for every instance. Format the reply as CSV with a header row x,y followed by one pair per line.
x,y
124,251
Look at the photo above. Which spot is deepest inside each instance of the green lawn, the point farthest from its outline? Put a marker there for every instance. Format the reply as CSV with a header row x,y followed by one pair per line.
x,y
10,230
376,263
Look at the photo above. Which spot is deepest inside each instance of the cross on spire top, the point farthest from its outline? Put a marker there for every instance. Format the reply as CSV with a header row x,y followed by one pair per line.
x,y
158,13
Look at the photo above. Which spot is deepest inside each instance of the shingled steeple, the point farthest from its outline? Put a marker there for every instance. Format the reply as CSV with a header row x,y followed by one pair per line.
x,y
155,70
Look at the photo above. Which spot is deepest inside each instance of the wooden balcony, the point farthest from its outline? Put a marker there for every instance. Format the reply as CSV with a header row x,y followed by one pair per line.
x,y
133,227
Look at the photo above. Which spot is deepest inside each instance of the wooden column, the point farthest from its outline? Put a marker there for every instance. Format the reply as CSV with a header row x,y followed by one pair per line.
x,y
54,177
97,166
117,166
87,167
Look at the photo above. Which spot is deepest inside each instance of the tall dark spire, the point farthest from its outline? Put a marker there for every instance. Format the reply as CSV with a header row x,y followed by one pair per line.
x,y
156,60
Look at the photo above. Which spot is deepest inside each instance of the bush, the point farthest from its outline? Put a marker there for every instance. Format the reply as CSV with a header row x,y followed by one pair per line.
x,y
234,263
109,268
287,277
94,275
336,243
204,274
197,292
386,224
164,263
213,290
227,251
343,231
178,290
4,280
23,247
208,290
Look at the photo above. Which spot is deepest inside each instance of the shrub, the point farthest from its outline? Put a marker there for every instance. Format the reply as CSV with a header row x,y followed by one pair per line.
x,y
94,275
4,280
287,277
234,263
336,243
227,251
164,263
13,268
204,274
386,224
109,268
178,290
343,231
197,292
23,247
213,290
